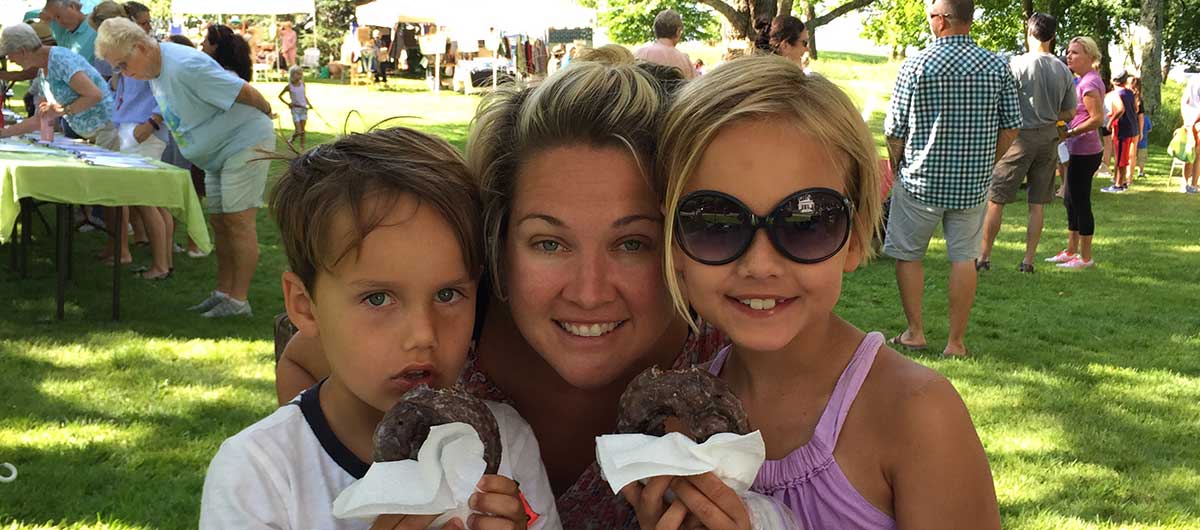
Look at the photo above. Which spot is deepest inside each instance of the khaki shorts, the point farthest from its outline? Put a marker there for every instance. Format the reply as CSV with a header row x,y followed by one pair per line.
x,y
911,224
1033,158
106,137
240,184
1143,155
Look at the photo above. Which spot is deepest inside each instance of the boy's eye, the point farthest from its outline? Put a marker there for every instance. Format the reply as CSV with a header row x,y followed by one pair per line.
x,y
377,299
548,245
446,296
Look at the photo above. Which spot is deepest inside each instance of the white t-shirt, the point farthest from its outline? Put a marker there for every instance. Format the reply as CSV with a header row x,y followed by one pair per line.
x,y
285,471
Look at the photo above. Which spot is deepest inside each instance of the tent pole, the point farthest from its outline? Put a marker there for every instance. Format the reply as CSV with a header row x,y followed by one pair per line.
x,y
437,73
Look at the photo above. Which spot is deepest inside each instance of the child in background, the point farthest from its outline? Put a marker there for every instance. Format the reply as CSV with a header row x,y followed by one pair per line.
x,y
299,103
857,435
384,245
1143,146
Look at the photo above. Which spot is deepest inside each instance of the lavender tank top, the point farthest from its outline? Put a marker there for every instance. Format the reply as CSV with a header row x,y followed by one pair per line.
x,y
809,480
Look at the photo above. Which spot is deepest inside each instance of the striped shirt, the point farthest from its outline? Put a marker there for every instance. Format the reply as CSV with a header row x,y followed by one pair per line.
x,y
950,102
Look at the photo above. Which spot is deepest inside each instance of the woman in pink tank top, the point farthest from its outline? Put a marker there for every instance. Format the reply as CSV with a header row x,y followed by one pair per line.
x,y
857,436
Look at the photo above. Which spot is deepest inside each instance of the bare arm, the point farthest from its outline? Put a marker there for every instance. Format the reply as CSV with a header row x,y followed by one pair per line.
x,y
937,451
89,93
1003,142
281,93
1095,109
249,96
895,153
19,75
301,366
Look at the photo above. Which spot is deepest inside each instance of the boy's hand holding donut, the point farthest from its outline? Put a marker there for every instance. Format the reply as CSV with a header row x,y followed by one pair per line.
x,y
497,505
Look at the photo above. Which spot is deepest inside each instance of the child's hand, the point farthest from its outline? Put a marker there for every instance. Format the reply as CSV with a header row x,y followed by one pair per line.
x,y
402,522
649,505
497,505
710,503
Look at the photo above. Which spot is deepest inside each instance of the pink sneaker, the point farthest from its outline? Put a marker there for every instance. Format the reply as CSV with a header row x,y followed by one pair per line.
x,y
1077,263
1061,257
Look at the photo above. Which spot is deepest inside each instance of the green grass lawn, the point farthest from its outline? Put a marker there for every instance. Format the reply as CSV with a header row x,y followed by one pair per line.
x,y
1085,386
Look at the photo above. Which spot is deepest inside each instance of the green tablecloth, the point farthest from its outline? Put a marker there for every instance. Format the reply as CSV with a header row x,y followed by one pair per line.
x,y
68,180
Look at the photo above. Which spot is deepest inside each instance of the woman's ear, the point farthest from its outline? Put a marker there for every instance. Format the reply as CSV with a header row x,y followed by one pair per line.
x,y
854,253
299,304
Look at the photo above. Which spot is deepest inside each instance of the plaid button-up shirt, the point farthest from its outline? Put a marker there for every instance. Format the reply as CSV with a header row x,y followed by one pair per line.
x,y
950,102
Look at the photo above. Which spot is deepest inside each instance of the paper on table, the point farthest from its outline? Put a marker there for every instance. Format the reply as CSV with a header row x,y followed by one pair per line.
x,y
440,481
735,459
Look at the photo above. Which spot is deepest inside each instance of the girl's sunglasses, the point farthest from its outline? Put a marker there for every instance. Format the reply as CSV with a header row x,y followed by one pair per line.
x,y
808,226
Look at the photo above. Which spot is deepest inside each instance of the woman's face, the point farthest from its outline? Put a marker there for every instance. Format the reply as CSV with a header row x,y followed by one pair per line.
x,y
584,263
208,46
1077,59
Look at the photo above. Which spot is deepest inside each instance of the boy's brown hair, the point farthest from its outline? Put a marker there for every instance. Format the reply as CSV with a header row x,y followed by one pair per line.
x,y
381,165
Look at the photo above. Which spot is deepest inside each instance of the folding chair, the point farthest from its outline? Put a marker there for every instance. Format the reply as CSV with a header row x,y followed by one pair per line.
x,y
1176,163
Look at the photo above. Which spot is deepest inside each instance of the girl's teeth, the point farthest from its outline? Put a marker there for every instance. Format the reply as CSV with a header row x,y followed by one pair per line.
x,y
589,330
759,303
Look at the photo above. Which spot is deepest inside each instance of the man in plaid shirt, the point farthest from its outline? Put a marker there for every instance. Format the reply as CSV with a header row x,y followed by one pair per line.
x,y
953,113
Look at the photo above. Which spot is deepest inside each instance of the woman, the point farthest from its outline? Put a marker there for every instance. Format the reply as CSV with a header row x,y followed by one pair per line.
x,y
221,124
1083,143
134,117
78,90
287,44
229,49
784,35
575,252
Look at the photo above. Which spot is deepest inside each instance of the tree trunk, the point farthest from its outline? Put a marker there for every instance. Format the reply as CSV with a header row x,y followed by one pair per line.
x,y
785,8
1152,19
810,13
1101,25
1027,8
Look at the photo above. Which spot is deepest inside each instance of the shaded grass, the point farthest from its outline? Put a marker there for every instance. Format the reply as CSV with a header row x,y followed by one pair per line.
x,y
1084,385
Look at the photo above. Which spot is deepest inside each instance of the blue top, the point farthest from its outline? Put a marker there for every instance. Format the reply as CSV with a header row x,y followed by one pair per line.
x,y
135,103
63,65
1143,142
198,101
949,104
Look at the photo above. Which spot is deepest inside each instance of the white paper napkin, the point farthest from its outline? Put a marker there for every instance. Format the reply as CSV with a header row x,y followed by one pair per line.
x,y
440,481
735,459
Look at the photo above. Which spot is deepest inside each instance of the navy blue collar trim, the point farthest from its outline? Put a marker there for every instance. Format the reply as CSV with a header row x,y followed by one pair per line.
x,y
310,405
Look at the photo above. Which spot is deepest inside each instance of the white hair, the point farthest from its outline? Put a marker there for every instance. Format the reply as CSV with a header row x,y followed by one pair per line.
x,y
19,37
116,37
65,3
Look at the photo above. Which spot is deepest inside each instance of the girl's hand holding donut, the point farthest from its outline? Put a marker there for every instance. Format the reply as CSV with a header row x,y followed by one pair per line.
x,y
710,503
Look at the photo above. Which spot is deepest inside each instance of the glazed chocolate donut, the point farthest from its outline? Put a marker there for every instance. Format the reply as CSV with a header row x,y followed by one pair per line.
x,y
405,427
701,401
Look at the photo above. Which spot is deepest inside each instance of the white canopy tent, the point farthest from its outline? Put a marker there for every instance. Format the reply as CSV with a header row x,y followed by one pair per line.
x,y
531,16
241,7
387,13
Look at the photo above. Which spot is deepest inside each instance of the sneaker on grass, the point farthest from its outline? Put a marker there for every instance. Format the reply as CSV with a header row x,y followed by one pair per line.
x,y
1077,263
229,308
1111,189
213,299
1061,257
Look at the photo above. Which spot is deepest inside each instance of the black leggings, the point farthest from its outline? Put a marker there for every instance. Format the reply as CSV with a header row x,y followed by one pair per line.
x,y
1078,197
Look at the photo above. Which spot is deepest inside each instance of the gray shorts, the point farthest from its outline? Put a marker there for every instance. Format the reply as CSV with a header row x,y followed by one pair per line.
x,y
1032,158
911,224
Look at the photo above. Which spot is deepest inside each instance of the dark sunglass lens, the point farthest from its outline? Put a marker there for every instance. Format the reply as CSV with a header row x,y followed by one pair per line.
x,y
711,228
812,226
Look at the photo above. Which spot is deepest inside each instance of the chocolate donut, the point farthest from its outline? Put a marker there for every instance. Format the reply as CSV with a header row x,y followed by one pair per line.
x,y
701,401
405,427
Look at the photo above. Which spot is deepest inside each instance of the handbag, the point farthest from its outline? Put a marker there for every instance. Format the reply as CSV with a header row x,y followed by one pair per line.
x,y
1183,145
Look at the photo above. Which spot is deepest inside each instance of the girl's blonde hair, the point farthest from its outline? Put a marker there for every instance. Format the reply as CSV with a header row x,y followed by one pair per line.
x,y
1089,47
766,88
590,103
296,73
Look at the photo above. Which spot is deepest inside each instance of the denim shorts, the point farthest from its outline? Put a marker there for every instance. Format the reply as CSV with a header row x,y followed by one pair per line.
x,y
911,224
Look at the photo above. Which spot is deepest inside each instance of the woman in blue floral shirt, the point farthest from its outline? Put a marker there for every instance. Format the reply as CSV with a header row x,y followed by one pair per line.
x,y
79,93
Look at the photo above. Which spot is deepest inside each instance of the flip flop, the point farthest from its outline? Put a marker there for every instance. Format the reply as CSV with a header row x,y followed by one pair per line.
x,y
962,355
143,276
901,345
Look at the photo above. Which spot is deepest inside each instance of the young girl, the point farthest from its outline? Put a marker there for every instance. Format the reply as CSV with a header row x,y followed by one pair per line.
x,y
299,103
770,179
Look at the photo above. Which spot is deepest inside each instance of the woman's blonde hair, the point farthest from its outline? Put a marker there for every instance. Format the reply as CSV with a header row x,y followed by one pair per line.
x,y
1089,47
766,88
608,54
104,11
116,36
591,103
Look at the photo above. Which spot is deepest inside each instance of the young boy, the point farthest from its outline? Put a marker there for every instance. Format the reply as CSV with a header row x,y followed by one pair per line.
x,y
1143,146
384,245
